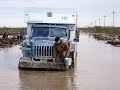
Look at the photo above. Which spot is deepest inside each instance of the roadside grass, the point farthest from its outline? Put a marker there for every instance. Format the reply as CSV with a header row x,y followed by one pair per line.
x,y
98,29
12,30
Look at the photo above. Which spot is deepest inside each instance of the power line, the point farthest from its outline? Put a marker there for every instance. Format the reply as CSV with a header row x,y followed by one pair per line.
x,y
99,20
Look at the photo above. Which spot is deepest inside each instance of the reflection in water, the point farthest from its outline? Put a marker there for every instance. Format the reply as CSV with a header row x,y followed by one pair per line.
x,y
97,65
97,68
50,80
9,58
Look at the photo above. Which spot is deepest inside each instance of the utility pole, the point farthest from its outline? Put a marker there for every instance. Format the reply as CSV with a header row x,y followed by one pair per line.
x,y
113,18
99,21
104,21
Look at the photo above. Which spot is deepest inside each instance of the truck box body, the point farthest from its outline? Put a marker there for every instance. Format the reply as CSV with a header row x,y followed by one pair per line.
x,y
55,16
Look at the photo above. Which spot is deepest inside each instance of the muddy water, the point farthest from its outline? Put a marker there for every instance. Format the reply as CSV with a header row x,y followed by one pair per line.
x,y
97,68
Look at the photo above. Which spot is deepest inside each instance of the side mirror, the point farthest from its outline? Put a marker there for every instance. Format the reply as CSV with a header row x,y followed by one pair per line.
x,y
77,34
25,37
76,39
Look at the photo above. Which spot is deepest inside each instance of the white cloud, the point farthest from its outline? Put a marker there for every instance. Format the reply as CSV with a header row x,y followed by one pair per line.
x,y
22,3
12,22
88,10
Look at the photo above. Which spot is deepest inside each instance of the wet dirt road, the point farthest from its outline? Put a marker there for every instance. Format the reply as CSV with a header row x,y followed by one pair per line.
x,y
97,68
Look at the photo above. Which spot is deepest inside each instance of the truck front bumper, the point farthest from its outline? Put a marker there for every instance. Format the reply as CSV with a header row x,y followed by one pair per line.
x,y
26,63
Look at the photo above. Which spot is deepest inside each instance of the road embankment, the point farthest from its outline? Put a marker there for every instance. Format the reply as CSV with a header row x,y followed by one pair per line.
x,y
109,38
110,35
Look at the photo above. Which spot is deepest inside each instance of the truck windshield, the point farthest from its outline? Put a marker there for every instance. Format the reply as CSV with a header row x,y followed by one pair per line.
x,y
48,31
40,32
58,32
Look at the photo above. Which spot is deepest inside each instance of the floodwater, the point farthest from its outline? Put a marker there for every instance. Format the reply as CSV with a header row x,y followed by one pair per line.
x,y
97,68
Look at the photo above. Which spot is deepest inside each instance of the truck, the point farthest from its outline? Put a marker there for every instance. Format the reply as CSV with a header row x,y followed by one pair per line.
x,y
43,25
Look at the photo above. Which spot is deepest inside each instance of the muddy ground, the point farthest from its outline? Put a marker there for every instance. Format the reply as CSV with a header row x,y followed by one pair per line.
x,y
109,38
8,42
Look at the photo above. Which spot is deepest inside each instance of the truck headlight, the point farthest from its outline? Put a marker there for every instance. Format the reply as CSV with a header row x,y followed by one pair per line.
x,y
26,43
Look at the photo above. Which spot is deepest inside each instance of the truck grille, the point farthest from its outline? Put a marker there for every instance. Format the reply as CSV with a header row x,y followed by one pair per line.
x,y
43,52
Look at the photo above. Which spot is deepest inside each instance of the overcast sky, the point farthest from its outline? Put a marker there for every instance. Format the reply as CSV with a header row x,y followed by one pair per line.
x,y
12,11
